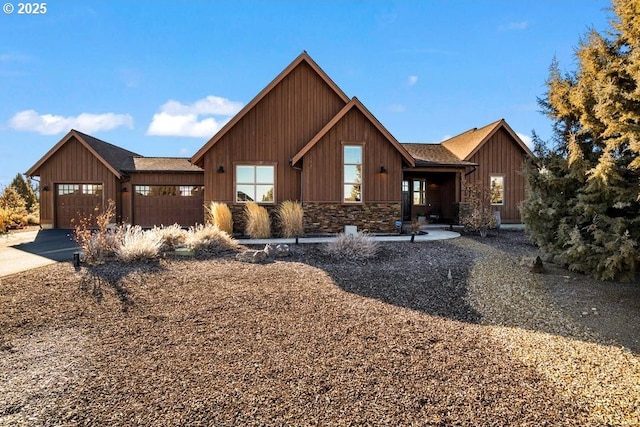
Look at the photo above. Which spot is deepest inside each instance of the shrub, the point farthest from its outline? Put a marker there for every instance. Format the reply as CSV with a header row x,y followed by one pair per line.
x,y
219,215
290,217
13,202
258,222
171,236
137,244
97,244
357,246
480,216
5,220
209,238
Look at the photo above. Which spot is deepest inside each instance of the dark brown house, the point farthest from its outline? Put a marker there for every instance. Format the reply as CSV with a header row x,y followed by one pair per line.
x,y
301,138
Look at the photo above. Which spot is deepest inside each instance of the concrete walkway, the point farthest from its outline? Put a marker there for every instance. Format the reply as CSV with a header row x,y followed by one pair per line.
x,y
32,249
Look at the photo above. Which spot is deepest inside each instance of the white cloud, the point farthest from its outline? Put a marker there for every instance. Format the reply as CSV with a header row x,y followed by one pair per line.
x,y
50,124
397,108
412,80
178,119
526,139
514,26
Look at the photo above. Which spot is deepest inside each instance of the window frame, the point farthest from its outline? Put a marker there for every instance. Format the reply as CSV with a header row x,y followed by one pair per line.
x,y
502,190
359,145
255,182
422,192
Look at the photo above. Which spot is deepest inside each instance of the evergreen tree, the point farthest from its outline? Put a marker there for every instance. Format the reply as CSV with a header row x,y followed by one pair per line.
x,y
24,188
584,198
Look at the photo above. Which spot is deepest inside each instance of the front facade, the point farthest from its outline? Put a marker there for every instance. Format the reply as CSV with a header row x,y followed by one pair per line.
x,y
302,139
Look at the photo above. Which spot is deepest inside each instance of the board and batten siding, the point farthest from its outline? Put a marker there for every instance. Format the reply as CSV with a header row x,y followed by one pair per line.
x,y
72,164
323,168
500,156
272,132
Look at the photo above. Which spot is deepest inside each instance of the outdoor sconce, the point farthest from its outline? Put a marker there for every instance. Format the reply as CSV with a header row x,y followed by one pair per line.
x,y
124,189
45,188
220,169
383,169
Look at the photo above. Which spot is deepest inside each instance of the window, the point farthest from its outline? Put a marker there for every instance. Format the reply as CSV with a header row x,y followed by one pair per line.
x,y
352,174
188,190
143,190
419,192
95,189
64,189
497,190
255,183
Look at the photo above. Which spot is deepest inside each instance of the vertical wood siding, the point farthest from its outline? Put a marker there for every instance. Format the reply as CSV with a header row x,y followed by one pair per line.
x,y
502,156
322,167
273,131
73,163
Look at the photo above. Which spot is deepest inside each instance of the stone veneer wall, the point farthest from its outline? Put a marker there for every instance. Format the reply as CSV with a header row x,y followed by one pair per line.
x,y
330,218
323,218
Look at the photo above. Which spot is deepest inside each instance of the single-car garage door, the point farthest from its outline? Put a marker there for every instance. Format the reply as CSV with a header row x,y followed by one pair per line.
x,y
168,205
77,201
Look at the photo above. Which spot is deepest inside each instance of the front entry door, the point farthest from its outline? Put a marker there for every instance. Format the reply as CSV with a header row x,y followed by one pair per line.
x,y
406,201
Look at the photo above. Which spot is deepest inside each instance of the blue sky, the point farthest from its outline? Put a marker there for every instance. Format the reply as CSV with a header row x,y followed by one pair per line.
x,y
160,77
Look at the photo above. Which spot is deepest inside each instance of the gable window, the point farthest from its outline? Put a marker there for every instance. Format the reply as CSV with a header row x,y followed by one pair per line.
x,y
255,183
497,189
419,192
352,173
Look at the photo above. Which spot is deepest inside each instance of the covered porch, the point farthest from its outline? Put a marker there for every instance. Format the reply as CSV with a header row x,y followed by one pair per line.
x,y
431,195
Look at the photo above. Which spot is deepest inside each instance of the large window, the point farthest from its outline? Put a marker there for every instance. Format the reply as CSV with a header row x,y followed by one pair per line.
x,y
419,192
352,174
255,183
497,190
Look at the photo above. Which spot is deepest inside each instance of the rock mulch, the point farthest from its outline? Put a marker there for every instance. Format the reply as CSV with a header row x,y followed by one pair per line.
x,y
435,333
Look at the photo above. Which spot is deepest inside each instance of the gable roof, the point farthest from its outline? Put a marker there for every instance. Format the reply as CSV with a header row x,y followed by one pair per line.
x,y
354,103
303,57
468,143
433,155
111,156
161,164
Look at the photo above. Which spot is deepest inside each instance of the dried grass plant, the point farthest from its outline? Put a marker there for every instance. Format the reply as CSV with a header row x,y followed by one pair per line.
x,y
290,216
172,236
100,241
137,244
357,246
209,238
219,215
258,221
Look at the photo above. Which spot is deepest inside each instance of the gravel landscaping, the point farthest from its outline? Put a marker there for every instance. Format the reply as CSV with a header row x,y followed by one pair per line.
x,y
434,333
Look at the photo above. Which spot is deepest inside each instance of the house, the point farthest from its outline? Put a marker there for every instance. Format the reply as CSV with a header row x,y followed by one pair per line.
x,y
301,138
491,156
81,173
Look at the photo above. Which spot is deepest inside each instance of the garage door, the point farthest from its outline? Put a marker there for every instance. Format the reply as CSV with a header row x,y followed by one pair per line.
x,y
168,204
77,201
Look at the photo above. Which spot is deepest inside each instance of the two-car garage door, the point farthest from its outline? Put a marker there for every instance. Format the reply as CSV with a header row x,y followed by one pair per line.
x,y
168,204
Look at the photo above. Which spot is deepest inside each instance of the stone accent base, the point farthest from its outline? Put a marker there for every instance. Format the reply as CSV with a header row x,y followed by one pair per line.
x,y
330,218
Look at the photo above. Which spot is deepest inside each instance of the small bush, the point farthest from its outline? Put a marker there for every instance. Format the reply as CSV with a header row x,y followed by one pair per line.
x,y
99,243
33,218
138,244
5,220
258,222
12,201
290,217
209,238
172,236
357,246
219,215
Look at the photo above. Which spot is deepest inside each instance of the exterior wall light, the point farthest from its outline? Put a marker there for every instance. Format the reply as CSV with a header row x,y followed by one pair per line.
x,y
220,169
383,169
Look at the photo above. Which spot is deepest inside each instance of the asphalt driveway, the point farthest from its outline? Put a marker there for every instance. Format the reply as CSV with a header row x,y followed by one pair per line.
x,y
30,249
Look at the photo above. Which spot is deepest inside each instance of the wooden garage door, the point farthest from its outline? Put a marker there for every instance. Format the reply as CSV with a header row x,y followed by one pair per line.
x,y
77,201
168,204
